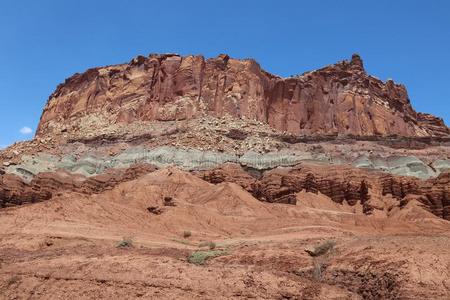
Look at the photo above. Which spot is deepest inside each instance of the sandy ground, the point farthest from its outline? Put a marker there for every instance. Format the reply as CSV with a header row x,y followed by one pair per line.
x,y
66,248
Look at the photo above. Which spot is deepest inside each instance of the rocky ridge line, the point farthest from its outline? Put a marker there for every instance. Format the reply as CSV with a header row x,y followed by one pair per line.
x,y
369,189
340,98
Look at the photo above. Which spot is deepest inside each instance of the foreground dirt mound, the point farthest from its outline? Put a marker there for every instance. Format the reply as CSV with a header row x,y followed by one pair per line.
x,y
67,247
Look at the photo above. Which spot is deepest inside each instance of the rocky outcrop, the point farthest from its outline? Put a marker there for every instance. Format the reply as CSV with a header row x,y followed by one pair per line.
x,y
433,124
280,185
433,193
326,131
229,173
15,191
340,98
340,184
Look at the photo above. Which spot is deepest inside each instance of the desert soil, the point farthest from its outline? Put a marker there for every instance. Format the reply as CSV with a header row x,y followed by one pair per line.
x,y
67,247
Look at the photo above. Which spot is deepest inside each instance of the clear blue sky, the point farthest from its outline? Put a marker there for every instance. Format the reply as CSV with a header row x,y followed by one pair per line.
x,y
43,42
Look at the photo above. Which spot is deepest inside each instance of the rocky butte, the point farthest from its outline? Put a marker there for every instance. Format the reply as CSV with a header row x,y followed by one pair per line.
x,y
337,99
186,161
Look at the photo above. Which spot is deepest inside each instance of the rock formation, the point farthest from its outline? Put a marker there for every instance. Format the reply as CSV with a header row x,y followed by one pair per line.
x,y
181,157
14,191
340,184
340,98
276,186
336,131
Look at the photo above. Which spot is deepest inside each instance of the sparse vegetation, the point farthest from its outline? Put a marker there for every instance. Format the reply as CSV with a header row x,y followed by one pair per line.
x,y
126,242
187,234
200,257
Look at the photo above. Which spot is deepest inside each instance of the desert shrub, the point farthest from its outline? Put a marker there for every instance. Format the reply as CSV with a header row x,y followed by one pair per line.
x,y
126,242
200,257
187,234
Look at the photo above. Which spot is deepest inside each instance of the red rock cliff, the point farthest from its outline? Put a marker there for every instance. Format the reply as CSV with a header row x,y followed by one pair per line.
x,y
340,98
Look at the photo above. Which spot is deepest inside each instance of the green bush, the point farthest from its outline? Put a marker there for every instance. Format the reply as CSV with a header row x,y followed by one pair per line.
x,y
200,257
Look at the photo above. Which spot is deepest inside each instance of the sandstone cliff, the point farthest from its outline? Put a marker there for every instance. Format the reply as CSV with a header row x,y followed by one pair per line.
x,y
340,98
112,118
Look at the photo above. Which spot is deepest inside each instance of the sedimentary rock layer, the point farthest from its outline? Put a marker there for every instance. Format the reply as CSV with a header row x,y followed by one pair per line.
x,y
340,183
340,98
92,164
15,191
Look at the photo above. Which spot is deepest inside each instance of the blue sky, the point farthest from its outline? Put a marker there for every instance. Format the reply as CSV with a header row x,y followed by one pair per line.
x,y
43,42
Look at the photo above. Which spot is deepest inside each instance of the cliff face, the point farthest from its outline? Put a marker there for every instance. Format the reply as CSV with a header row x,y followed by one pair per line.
x,y
340,98
340,184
